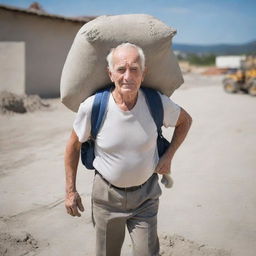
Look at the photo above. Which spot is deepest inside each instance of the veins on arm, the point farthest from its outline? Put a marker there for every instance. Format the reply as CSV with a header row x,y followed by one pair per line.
x,y
180,132
72,154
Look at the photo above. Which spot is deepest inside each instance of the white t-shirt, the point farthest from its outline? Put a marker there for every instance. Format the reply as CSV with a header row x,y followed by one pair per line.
x,y
125,148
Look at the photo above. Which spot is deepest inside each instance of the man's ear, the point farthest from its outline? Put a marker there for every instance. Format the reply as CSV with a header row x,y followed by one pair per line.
x,y
144,73
110,74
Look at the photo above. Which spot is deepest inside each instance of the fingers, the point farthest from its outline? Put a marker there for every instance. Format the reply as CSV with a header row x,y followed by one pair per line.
x,y
73,211
69,211
163,166
80,205
162,169
73,204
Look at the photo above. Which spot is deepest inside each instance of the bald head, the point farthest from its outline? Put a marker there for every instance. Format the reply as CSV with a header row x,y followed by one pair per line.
x,y
115,51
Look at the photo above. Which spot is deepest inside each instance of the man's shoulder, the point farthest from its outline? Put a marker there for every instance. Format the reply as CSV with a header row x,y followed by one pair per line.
x,y
88,100
86,105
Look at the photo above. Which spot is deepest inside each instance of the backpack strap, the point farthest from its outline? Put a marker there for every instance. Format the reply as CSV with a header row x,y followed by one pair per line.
x,y
155,106
98,110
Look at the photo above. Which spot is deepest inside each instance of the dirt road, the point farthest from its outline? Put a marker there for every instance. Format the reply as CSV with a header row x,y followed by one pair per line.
x,y
212,203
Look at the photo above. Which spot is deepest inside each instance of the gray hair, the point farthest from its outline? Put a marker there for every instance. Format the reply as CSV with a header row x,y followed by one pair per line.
x,y
140,52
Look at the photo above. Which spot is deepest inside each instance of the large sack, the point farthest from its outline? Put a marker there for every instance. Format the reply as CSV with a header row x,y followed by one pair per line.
x,y
85,68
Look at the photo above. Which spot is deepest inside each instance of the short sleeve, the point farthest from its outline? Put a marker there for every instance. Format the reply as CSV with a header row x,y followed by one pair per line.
x,y
82,122
171,111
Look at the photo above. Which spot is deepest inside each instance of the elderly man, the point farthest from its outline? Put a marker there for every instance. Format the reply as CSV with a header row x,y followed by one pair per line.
x,y
125,189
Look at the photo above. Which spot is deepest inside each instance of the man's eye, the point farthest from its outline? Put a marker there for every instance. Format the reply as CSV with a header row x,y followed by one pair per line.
x,y
120,69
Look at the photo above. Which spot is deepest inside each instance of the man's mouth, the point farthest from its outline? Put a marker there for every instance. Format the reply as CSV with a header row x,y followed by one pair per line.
x,y
128,85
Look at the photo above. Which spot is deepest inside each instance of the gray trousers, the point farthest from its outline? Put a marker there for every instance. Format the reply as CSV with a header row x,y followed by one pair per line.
x,y
114,209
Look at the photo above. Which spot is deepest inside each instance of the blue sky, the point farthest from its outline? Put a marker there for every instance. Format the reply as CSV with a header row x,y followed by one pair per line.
x,y
197,21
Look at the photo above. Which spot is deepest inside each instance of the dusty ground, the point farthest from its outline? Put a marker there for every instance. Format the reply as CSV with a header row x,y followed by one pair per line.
x,y
210,210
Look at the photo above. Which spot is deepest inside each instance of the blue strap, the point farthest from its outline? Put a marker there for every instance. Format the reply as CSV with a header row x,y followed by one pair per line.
x,y
155,106
98,110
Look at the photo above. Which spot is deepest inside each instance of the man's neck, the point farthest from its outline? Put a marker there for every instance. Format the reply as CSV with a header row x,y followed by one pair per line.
x,y
124,101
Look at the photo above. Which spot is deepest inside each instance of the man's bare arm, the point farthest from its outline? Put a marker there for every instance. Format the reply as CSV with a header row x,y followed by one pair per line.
x,y
73,201
181,129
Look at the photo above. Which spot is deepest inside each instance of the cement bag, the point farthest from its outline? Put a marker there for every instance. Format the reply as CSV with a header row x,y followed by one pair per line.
x,y
85,68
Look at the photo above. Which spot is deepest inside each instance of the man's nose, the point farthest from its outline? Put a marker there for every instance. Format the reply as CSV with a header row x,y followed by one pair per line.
x,y
127,74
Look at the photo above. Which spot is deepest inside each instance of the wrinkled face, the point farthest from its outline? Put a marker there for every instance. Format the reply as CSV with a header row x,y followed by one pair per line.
x,y
127,73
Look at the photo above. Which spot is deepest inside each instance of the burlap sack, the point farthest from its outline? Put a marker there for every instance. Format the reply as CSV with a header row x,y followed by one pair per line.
x,y
85,68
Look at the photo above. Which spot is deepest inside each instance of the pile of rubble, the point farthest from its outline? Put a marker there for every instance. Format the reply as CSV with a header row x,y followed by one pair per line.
x,y
175,245
19,244
10,102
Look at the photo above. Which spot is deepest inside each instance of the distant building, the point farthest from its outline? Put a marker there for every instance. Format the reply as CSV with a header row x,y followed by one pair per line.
x,y
230,62
33,49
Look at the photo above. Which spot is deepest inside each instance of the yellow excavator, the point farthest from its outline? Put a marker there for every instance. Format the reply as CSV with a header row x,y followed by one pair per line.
x,y
243,79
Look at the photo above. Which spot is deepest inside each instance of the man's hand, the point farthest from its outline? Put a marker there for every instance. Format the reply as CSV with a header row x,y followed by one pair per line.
x,y
73,202
164,165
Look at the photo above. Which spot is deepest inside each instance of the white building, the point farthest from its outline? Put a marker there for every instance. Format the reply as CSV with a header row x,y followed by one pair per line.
x,y
229,61
33,49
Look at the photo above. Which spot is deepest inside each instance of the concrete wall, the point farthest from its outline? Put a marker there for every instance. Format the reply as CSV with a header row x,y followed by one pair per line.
x,y
47,41
12,67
